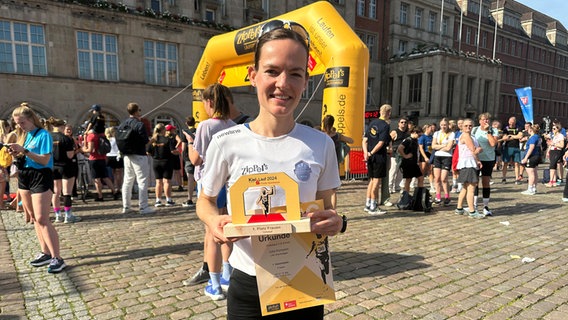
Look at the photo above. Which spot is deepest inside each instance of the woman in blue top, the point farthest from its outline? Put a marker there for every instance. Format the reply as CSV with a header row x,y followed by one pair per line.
x,y
35,183
532,158
425,150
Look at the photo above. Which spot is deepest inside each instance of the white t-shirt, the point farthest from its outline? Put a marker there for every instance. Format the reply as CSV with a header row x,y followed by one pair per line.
x,y
443,139
305,154
203,136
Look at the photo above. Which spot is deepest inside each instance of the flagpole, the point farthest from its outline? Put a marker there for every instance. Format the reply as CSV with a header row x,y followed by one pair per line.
x,y
479,27
441,22
495,33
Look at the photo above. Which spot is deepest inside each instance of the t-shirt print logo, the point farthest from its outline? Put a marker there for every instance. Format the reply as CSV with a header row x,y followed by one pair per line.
x,y
302,170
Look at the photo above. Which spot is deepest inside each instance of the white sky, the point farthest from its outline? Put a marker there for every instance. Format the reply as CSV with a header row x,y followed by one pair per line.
x,y
557,9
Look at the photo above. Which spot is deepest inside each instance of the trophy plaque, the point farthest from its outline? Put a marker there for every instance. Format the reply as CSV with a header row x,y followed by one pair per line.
x,y
263,218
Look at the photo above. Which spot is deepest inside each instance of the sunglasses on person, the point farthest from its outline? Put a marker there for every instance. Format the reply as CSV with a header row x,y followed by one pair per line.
x,y
285,24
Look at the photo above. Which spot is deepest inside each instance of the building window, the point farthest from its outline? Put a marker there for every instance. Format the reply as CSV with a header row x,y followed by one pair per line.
x,y
468,35
310,88
404,13
418,18
445,21
22,48
484,39
361,8
415,87
156,5
371,41
450,96
97,56
210,15
429,86
402,46
469,91
373,9
432,21
369,97
160,63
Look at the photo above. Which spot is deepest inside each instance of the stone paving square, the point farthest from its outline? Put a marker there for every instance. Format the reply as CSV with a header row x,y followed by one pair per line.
x,y
401,265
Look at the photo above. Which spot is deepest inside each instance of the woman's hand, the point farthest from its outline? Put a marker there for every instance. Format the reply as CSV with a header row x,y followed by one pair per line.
x,y
326,222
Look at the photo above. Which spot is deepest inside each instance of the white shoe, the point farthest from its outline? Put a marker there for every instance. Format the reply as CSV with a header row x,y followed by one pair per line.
x,y
147,210
127,210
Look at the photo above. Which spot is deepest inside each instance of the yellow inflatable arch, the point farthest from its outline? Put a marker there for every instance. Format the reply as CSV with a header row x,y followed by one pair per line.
x,y
334,50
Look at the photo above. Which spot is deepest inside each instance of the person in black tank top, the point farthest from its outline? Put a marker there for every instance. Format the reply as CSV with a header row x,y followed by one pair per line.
x,y
397,136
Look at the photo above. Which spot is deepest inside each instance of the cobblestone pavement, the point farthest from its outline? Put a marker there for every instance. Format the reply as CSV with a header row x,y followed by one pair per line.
x,y
402,265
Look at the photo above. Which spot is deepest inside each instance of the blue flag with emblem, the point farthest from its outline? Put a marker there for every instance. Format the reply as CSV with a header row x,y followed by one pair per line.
x,y
525,99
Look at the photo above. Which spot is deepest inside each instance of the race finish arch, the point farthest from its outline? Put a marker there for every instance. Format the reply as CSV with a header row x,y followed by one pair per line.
x,y
334,50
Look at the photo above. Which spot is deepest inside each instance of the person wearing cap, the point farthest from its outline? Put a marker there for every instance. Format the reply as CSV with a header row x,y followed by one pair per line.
x,y
175,142
95,112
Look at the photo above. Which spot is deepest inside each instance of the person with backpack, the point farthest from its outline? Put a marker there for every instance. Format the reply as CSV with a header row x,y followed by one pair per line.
x,y
468,165
95,145
132,138
408,151
63,172
532,159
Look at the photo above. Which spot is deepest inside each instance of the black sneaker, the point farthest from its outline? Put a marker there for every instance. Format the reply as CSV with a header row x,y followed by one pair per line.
x,y
99,199
116,195
188,204
56,265
41,260
201,276
447,201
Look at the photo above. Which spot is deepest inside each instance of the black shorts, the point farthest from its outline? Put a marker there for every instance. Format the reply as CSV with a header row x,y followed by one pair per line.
x,y
35,180
114,163
63,172
243,302
162,169
176,163
555,156
487,168
444,163
421,158
98,169
377,166
533,161
410,170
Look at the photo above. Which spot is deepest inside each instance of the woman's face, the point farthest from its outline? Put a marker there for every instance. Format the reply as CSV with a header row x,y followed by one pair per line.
x,y
444,126
208,108
25,123
466,126
281,77
68,131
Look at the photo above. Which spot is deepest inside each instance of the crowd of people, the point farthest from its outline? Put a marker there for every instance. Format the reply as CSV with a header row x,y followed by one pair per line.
x,y
463,150
46,159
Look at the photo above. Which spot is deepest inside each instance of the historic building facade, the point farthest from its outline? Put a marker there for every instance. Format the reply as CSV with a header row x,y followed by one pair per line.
x,y
426,59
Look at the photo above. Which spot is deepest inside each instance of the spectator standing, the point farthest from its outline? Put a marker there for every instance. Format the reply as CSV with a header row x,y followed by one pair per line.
x,y
511,151
114,161
5,159
408,151
556,142
187,143
136,166
97,161
160,148
468,165
338,140
397,136
487,138
35,184
425,151
63,173
375,142
175,142
216,102
442,144
532,159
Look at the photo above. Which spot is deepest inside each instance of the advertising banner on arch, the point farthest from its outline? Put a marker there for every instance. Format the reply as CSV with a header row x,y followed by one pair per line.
x,y
526,100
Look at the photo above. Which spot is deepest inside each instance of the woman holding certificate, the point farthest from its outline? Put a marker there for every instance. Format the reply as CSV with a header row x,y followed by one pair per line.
x,y
274,143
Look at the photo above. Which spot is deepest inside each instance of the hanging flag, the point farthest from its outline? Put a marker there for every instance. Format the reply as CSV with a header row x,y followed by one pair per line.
x,y
526,101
